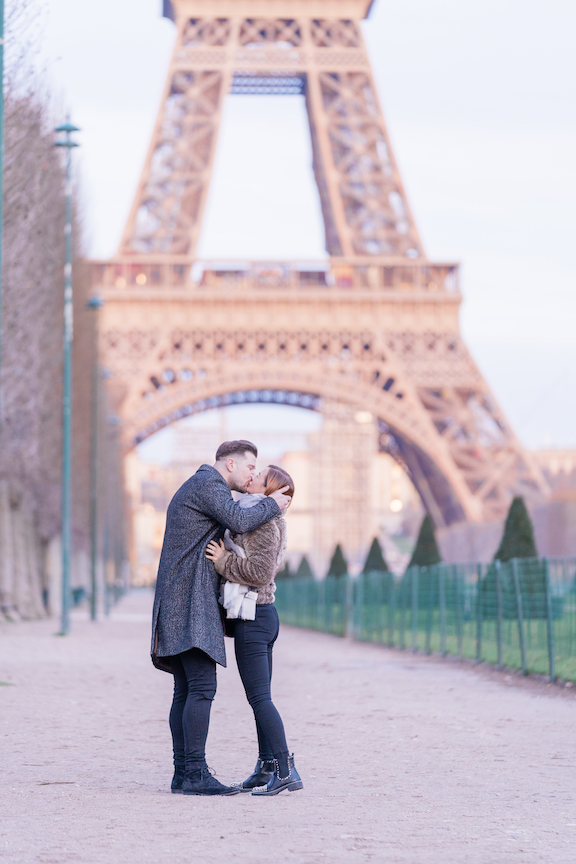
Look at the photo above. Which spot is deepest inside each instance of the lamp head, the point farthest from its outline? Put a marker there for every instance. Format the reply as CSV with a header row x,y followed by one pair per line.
x,y
67,127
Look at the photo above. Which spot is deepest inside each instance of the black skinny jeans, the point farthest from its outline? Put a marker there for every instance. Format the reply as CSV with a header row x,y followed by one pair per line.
x,y
253,643
194,689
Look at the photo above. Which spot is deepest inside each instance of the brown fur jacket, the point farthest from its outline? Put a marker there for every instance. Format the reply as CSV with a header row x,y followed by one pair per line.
x,y
264,548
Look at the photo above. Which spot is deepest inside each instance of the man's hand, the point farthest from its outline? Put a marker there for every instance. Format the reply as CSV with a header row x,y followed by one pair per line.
x,y
282,500
214,551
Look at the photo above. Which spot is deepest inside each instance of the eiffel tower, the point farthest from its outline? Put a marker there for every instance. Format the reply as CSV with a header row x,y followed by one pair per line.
x,y
373,328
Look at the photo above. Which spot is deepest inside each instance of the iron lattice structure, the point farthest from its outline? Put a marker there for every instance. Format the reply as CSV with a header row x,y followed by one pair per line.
x,y
375,327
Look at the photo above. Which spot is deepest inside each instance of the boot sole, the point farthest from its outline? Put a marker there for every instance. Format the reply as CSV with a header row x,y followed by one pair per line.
x,y
211,794
291,787
177,791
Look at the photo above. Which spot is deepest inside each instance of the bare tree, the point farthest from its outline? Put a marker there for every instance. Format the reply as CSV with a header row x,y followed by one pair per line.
x,y
32,337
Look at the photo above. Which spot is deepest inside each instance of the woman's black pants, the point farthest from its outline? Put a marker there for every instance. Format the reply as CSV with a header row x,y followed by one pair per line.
x,y
253,642
194,689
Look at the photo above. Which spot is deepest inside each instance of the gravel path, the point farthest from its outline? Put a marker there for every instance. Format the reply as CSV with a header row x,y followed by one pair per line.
x,y
404,758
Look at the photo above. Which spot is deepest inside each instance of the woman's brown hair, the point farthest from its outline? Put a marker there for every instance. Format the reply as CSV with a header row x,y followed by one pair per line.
x,y
277,478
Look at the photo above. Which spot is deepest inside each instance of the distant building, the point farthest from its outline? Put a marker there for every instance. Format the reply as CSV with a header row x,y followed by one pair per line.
x,y
346,492
555,522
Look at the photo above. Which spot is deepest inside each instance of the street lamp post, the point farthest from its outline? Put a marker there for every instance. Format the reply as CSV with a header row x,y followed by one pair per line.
x,y
110,524
66,141
94,303
1,170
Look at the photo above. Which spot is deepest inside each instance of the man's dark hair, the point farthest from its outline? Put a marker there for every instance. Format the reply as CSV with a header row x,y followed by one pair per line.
x,y
235,448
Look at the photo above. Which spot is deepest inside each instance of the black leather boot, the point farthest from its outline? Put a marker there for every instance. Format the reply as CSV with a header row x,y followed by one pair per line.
x,y
263,773
176,785
279,784
199,781
179,772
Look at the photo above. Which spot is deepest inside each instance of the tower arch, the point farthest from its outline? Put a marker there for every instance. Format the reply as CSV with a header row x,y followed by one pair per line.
x,y
432,486
405,430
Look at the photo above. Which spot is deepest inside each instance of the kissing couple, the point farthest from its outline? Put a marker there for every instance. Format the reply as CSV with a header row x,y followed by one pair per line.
x,y
215,547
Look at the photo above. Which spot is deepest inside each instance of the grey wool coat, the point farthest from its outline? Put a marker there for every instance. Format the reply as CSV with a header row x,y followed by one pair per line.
x,y
186,612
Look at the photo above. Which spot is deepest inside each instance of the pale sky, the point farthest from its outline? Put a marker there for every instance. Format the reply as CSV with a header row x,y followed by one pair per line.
x,y
479,102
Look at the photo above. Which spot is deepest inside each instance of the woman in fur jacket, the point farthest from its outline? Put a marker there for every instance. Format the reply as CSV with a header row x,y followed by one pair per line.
x,y
248,564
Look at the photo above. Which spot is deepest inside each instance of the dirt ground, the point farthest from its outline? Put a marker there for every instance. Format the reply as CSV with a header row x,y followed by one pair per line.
x,y
404,758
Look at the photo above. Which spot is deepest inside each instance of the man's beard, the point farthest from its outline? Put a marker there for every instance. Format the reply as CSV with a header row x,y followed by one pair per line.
x,y
237,488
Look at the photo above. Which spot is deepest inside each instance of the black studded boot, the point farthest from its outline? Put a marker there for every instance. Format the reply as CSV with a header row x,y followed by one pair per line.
x,y
263,773
290,782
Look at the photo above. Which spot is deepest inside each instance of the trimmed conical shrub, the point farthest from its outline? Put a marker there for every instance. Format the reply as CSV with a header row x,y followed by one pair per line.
x,y
426,550
375,561
518,537
338,564
284,573
304,570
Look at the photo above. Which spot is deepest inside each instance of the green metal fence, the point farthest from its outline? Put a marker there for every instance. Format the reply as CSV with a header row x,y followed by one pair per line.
x,y
521,614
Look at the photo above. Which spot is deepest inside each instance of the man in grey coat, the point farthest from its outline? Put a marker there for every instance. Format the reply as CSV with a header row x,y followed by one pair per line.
x,y
187,631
